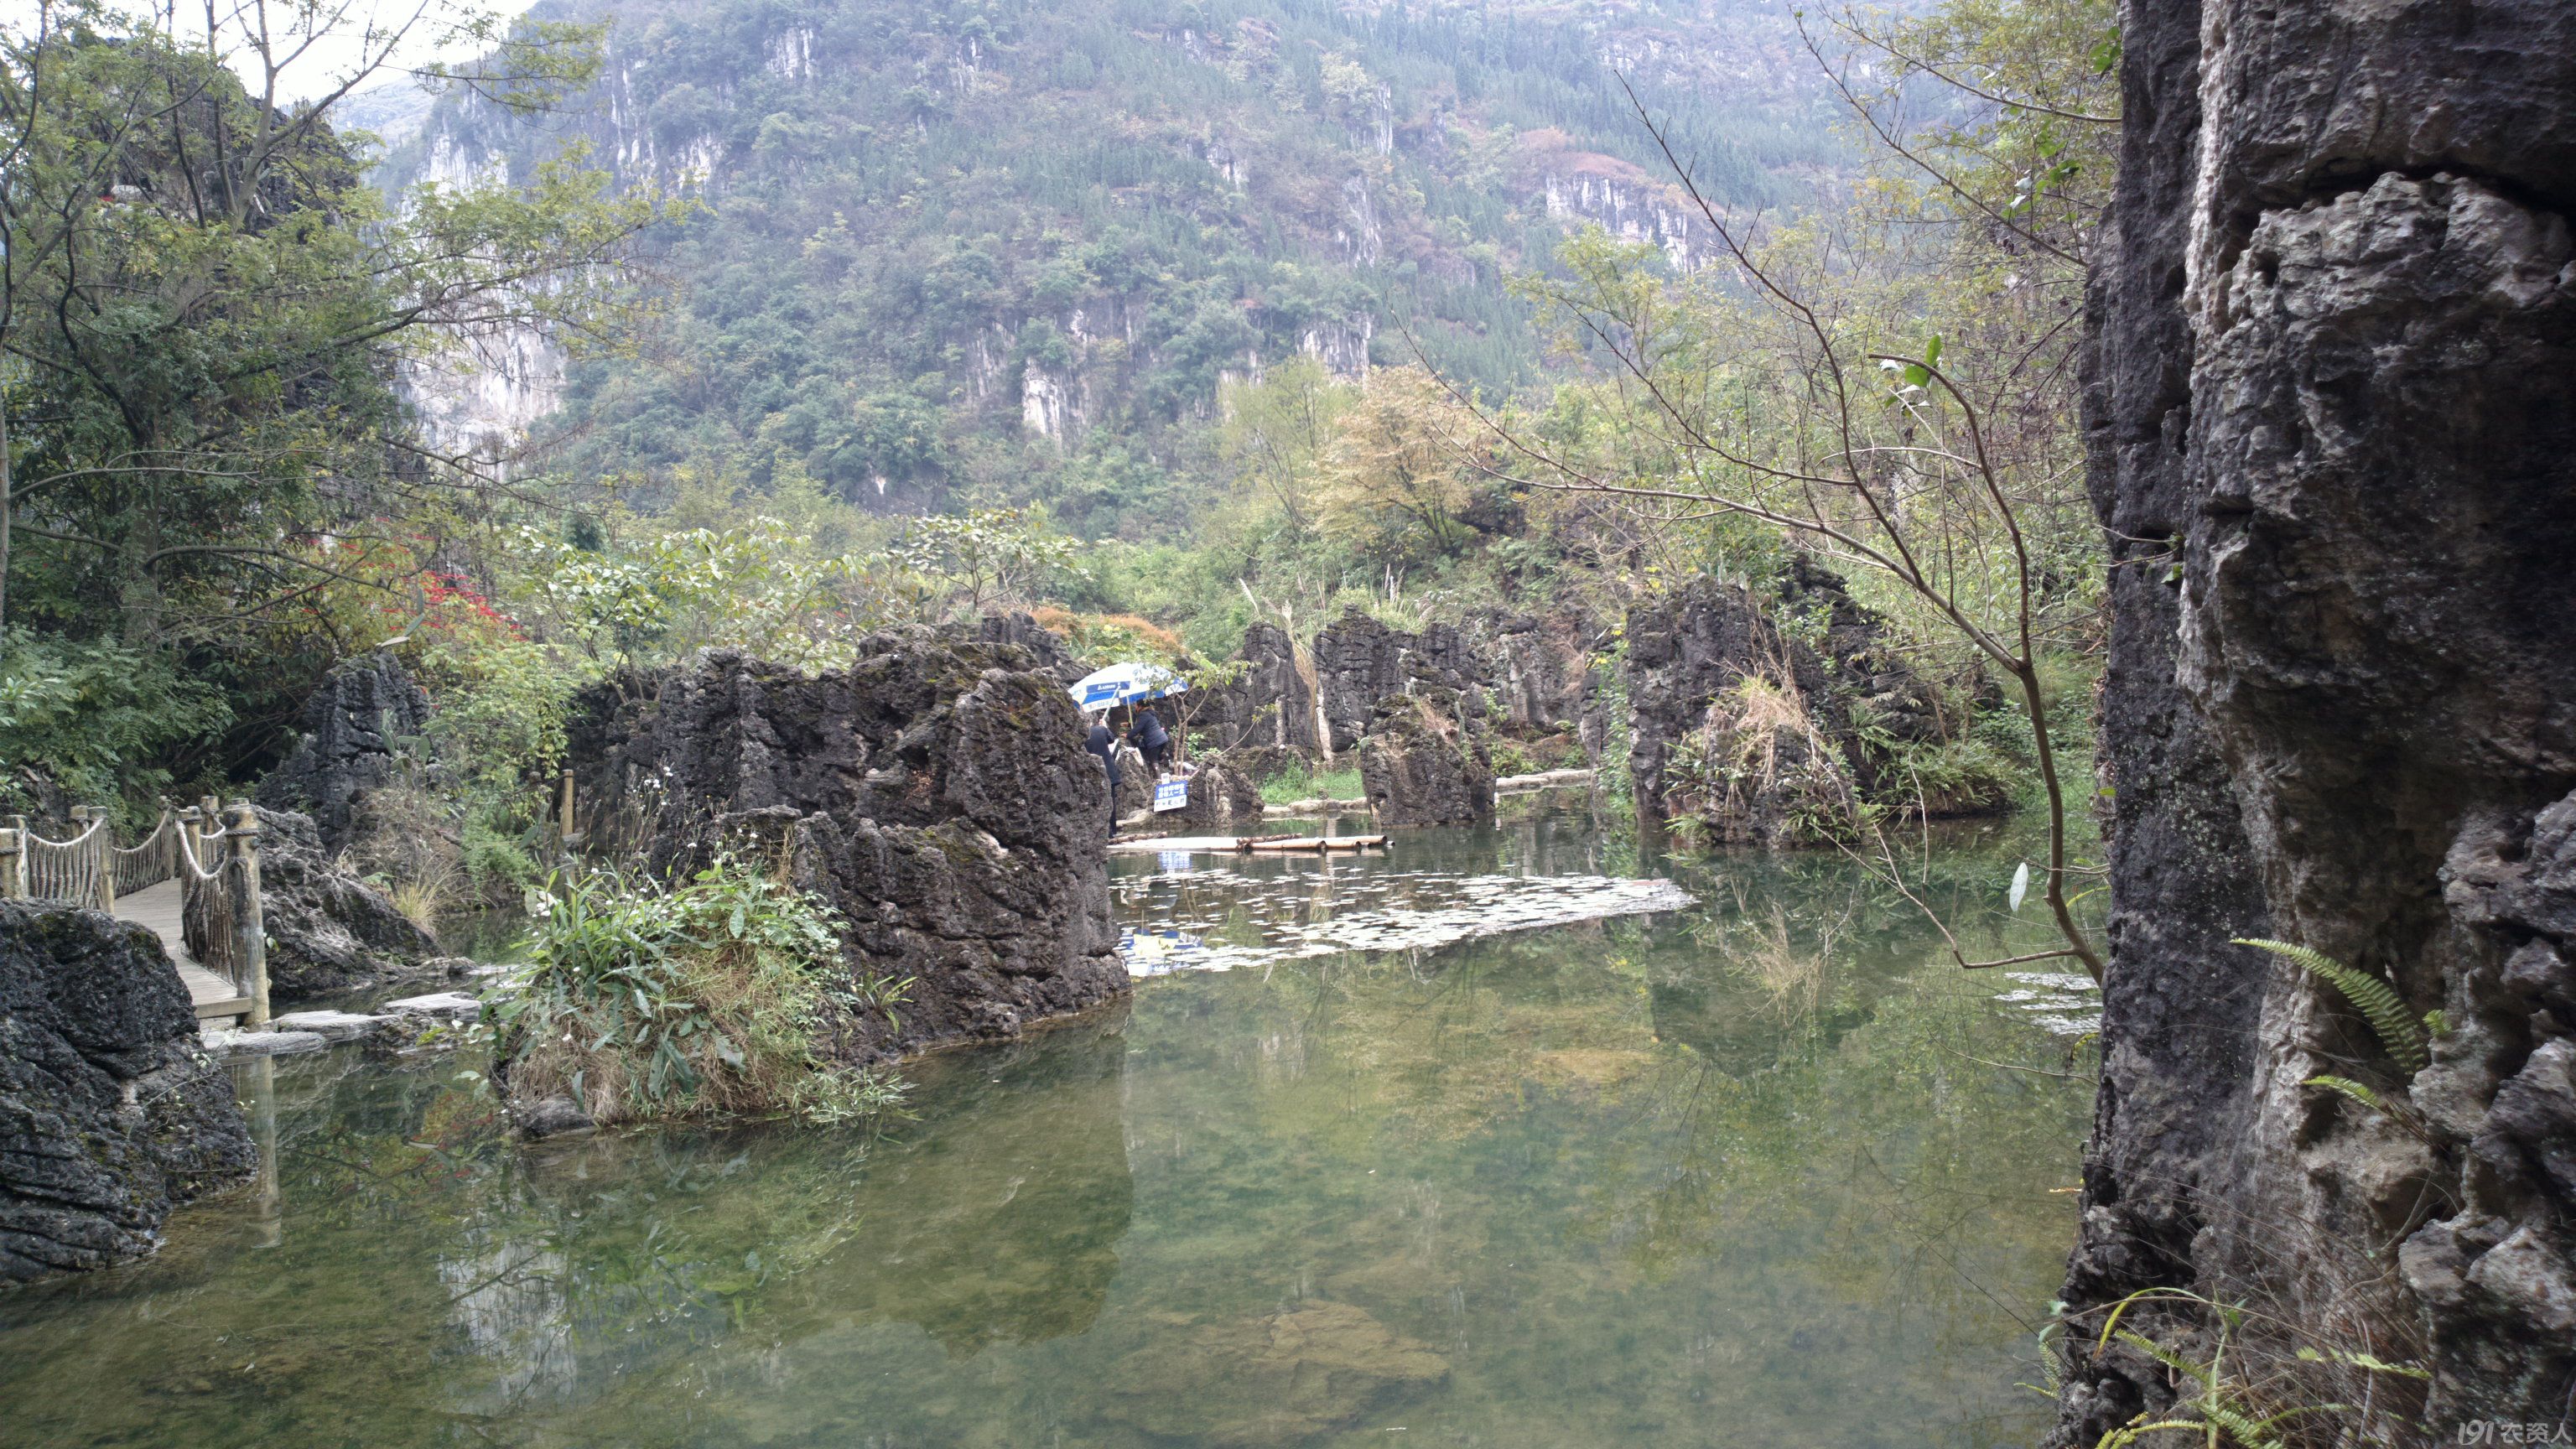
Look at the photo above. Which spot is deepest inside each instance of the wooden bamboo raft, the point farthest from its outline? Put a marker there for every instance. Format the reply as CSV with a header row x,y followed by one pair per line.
x,y
1246,844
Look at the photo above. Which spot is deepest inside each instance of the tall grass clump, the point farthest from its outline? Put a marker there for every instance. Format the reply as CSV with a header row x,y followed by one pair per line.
x,y
1289,787
721,996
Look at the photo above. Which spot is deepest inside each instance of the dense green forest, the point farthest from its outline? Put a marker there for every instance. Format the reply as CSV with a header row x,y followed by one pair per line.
x,y
766,325
971,251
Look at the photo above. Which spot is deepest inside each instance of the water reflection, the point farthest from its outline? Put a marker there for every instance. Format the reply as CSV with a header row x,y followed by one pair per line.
x,y
1733,1176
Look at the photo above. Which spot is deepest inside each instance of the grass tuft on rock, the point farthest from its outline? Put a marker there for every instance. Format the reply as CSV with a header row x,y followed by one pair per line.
x,y
718,997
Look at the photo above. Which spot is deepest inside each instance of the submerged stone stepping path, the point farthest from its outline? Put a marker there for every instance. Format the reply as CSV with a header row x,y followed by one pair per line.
x,y
296,1032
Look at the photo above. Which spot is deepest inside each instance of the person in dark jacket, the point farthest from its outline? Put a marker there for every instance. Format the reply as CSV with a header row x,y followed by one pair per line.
x,y
1098,742
1150,738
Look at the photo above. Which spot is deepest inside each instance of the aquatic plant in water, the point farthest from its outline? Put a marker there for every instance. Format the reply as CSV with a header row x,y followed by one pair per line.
x,y
713,998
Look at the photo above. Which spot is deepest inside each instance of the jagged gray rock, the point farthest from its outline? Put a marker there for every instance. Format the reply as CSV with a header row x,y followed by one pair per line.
x,y
936,791
351,743
1690,652
2330,341
328,930
1222,797
1360,661
1270,706
1427,759
109,1115
1541,672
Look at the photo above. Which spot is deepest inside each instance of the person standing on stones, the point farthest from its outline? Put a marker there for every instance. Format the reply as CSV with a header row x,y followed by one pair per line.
x,y
1098,742
1150,738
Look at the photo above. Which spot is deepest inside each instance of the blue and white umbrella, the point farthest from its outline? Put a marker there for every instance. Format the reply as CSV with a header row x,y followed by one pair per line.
x,y
1124,684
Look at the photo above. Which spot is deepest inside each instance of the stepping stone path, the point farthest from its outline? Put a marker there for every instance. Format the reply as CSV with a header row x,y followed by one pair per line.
x,y
330,1025
233,1046
453,1005
308,1031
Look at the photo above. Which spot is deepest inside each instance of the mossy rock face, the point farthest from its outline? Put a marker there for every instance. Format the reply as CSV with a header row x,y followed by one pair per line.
x,y
936,792
111,1115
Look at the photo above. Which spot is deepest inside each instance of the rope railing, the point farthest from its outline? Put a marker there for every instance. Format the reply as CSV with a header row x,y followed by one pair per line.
x,y
152,862
75,871
213,854
220,917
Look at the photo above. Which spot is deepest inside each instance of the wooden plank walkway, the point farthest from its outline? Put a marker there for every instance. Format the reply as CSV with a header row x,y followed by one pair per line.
x,y
157,908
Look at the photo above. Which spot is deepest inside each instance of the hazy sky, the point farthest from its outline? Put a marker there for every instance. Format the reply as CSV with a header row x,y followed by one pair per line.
x,y
328,58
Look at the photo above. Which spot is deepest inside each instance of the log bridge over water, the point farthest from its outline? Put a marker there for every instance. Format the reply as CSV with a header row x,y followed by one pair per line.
x,y
194,882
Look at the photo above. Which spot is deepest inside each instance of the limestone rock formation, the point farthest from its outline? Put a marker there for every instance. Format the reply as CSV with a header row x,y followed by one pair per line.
x,y
2330,340
1540,672
351,734
1427,759
1047,646
1222,798
1740,723
1271,705
328,930
1688,650
1360,661
936,791
109,1116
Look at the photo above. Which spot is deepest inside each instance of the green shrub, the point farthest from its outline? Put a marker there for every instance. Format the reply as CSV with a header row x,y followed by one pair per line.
x,y
1312,784
716,998
99,719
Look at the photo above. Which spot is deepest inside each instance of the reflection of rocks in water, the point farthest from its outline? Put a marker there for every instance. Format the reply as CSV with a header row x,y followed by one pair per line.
x,y
634,1257
1279,1378
999,1221
1737,1026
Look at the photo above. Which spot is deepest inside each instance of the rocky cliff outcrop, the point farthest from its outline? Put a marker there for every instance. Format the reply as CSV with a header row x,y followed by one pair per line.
x,y
1742,724
109,1116
1427,759
1359,661
2331,336
1271,705
936,791
1043,643
1690,649
327,930
351,734
1540,673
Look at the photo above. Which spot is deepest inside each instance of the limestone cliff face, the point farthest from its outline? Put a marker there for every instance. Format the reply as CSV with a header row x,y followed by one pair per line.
x,y
2331,347
936,792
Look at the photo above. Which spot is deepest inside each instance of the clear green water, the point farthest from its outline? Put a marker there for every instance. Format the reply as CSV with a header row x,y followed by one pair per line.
x,y
1738,1176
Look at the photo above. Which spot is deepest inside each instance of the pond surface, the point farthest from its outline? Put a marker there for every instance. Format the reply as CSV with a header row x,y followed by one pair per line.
x,y
1758,1172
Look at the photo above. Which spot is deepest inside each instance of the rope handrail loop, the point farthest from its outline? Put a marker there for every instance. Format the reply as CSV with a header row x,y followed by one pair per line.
x,y
77,871
151,861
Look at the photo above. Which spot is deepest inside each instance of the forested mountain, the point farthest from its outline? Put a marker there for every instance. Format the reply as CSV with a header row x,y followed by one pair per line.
x,y
990,251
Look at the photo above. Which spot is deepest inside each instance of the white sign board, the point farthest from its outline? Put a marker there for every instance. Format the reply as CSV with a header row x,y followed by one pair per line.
x,y
1171,795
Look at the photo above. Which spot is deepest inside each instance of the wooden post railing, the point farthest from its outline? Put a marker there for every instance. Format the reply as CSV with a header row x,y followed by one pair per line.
x,y
242,831
13,859
221,916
